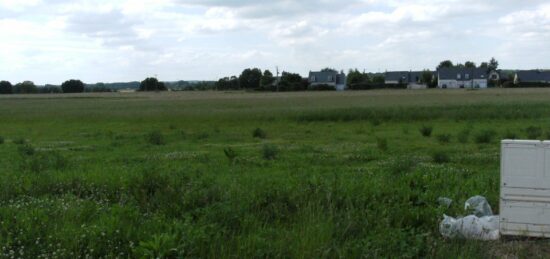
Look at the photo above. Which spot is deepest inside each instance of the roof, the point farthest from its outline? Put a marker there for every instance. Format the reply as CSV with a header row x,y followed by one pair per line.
x,y
327,77
404,76
533,75
461,73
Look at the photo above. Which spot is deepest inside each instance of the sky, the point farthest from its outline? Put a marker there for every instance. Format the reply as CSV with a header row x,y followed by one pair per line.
x,y
50,41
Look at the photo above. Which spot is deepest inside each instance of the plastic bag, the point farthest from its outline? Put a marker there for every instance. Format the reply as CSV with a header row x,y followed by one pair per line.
x,y
444,201
470,227
482,225
478,206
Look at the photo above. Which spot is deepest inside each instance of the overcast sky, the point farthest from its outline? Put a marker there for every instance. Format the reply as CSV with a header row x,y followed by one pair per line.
x,y
49,41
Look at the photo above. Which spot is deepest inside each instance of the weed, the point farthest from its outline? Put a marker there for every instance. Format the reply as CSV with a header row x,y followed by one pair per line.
x,y
382,144
443,138
426,131
269,151
440,157
484,136
533,132
155,138
259,133
230,153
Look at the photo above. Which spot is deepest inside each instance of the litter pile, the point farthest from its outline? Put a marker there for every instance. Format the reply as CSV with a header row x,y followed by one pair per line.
x,y
481,224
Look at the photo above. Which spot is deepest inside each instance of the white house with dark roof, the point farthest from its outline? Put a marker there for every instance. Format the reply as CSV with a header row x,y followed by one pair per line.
x,y
462,77
332,78
532,76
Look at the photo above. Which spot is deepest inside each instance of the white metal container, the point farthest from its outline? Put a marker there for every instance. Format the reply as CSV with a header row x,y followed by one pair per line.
x,y
525,188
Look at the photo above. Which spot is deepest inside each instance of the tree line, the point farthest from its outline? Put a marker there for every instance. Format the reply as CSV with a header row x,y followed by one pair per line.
x,y
255,79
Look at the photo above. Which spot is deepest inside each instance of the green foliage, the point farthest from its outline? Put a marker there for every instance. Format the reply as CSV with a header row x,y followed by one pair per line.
x,y
151,84
6,87
155,138
250,78
322,87
470,64
160,246
292,82
270,151
533,132
440,157
484,136
26,87
259,133
72,86
355,78
382,144
230,153
1,140
228,83
426,131
444,138
445,64
463,136
267,81
510,135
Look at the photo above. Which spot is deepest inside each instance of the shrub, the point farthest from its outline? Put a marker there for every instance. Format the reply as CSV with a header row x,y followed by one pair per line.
x,y
444,138
322,87
270,151
510,135
440,157
230,154
382,144
155,138
259,133
426,131
463,136
533,132
484,137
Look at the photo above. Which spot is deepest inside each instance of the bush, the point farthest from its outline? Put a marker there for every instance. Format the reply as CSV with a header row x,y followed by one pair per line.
x,y
72,86
155,138
440,157
259,133
484,137
270,151
382,144
510,135
230,154
322,87
533,132
426,131
463,136
444,138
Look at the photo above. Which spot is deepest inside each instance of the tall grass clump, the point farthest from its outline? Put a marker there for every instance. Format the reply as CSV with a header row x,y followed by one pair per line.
x,y
270,152
484,136
533,132
382,144
155,138
426,131
443,138
463,136
440,157
259,133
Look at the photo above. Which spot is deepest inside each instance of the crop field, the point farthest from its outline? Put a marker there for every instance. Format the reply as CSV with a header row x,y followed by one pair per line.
x,y
256,175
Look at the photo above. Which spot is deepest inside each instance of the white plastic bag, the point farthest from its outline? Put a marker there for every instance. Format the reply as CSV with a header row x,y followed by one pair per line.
x,y
470,227
478,206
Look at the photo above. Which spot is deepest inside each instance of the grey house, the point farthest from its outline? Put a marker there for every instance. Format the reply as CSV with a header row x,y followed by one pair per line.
x,y
462,77
332,78
413,79
532,76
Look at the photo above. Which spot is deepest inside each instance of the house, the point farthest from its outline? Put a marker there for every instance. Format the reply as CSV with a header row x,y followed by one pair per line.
x,y
461,77
328,77
413,79
532,76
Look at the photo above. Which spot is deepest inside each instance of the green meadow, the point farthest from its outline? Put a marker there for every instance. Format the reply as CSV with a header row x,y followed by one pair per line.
x,y
256,175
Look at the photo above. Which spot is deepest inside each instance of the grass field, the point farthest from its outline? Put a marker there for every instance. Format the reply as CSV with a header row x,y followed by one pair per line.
x,y
265,175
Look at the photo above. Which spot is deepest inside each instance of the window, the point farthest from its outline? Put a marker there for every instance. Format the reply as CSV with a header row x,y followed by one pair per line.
x,y
330,78
458,76
312,78
467,76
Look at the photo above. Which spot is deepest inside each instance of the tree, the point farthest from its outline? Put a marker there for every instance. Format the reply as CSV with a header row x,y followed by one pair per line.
x,y
152,84
227,83
26,87
484,65
378,79
250,78
328,69
445,63
470,64
493,65
291,82
6,87
267,80
72,86
427,77
356,78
